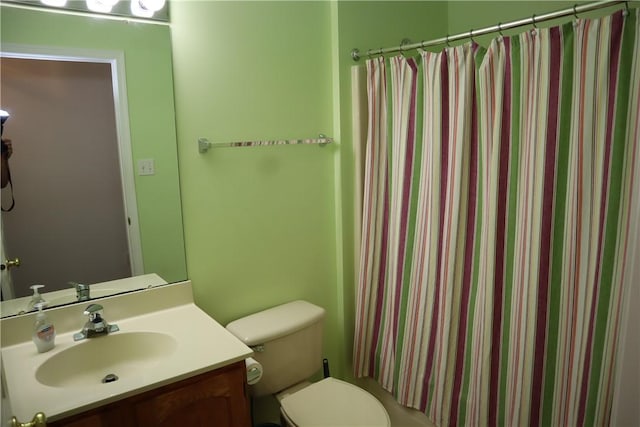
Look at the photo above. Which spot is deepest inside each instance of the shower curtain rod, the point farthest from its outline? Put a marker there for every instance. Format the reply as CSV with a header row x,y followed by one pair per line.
x,y
533,20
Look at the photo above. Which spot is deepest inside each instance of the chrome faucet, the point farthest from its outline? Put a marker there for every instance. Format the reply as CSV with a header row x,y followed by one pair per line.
x,y
96,326
82,291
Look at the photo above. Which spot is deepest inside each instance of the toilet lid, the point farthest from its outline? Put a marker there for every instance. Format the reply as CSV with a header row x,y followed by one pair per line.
x,y
334,403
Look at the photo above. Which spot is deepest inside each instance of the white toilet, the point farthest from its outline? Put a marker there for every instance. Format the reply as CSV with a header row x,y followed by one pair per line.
x,y
287,341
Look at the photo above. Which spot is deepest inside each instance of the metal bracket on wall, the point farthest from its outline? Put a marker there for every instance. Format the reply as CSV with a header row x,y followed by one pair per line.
x,y
203,145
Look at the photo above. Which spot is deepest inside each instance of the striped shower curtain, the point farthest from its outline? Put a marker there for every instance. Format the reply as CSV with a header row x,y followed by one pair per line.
x,y
500,189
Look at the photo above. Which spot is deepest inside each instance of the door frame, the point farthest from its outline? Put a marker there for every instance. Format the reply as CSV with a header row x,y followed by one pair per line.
x,y
118,80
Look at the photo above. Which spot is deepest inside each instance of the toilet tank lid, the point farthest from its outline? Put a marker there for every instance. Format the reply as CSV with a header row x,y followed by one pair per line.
x,y
275,322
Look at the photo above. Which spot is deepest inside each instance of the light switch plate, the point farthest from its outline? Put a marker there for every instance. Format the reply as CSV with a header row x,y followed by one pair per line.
x,y
146,167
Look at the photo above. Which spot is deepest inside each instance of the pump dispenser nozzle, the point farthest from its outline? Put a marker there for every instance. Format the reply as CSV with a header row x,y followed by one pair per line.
x,y
36,298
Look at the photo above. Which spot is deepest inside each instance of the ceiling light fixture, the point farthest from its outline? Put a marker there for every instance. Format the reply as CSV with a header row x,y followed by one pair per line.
x,y
155,10
152,5
137,10
146,8
54,3
102,6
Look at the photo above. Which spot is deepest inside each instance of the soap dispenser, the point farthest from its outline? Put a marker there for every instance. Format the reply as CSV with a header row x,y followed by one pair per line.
x,y
44,334
36,298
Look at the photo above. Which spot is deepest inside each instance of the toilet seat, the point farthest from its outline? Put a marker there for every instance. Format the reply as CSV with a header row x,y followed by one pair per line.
x,y
334,403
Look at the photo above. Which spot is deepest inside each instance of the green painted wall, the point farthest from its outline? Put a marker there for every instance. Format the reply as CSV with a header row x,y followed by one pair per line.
x,y
151,114
259,222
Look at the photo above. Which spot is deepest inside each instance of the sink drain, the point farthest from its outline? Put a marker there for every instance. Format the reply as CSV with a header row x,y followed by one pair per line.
x,y
109,378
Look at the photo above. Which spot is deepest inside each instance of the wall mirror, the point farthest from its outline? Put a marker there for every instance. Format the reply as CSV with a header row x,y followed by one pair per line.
x,y
94,163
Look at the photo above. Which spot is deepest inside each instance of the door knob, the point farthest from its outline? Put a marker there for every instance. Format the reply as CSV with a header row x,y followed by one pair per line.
x,y
10,263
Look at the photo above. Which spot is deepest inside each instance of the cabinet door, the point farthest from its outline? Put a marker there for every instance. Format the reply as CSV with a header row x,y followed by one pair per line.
x,y
216,399
110,416
86,421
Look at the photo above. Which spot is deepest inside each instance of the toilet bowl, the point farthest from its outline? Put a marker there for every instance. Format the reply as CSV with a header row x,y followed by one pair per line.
x,y
287,342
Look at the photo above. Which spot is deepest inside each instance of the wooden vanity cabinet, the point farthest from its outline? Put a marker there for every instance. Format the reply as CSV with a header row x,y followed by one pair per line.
x,y
213,399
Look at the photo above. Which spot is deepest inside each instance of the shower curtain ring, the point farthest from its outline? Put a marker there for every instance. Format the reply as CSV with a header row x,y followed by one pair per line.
x,y
403,43
575,12
534,30
500,29
626,9
448,45
471,35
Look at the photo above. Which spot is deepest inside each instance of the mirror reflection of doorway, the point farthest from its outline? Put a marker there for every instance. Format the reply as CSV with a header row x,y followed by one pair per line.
x,y
68,222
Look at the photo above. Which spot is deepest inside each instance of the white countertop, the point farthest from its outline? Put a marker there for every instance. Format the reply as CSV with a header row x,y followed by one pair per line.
x,y
202,345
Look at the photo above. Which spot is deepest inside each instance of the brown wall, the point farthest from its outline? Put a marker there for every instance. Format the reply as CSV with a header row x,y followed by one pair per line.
x,y
66,174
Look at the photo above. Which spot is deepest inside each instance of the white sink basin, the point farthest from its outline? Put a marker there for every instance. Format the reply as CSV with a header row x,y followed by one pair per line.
x,y
163,338
90,361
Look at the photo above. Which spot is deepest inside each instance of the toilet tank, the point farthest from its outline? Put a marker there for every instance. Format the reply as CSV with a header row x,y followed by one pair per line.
x,y
286,340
